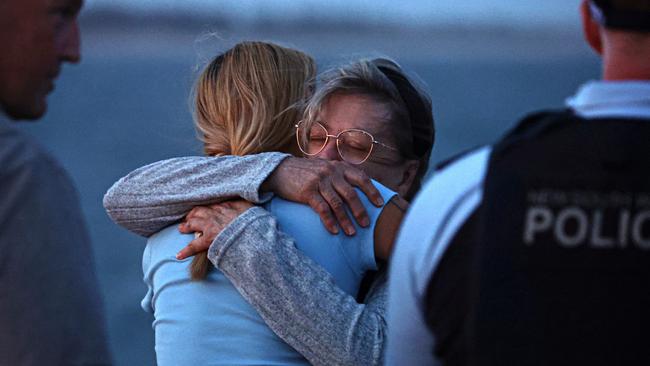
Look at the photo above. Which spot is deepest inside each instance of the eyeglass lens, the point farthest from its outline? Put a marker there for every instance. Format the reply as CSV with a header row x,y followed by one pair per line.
x,y
354,146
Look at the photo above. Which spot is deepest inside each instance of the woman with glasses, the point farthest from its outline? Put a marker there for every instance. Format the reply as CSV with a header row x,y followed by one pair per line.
x,y
365,114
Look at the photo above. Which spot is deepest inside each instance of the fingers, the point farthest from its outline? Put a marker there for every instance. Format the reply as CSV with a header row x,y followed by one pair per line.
x,y
358,178
347,192
184,228
318,204
338,207
197,245
209,221
193,224
201,243
238,205
199,212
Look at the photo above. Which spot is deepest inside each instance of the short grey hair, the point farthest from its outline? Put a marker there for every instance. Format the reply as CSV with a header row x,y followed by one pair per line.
x,y
369,78
359,78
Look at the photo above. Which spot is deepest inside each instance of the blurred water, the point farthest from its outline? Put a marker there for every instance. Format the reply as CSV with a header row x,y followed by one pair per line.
x,y
111,115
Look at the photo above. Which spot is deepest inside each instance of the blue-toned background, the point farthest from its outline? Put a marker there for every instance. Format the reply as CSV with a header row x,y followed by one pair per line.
x,y
126,104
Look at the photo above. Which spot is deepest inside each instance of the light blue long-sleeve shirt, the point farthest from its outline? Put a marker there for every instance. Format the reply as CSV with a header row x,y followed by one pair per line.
x,y
209,323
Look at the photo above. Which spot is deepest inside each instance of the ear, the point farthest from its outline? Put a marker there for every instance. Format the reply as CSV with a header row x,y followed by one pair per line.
x,y
408,177
591,28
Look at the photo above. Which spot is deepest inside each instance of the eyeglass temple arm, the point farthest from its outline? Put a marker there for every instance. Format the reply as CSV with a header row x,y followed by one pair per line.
x,y
384,145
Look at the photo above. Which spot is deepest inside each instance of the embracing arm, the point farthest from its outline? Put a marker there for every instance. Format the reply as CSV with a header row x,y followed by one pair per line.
x,y
159,194
296,297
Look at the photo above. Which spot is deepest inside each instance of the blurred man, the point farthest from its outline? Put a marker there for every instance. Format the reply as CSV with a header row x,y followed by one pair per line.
x,y
536,250
50,308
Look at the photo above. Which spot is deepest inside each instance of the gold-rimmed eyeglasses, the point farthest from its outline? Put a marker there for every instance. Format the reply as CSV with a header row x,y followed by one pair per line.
x,y
354,145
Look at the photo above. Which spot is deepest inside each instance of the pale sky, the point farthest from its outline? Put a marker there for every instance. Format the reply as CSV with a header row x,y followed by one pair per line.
x,y
507,12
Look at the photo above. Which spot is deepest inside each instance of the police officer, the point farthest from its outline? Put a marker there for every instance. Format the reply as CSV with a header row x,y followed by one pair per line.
x,y
536,250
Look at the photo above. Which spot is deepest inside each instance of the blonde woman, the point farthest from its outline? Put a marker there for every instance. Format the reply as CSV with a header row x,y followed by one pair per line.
x,y
247,102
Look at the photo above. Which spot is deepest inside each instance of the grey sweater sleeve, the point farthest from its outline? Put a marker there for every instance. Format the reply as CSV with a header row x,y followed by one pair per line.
x,y
296,297
159,194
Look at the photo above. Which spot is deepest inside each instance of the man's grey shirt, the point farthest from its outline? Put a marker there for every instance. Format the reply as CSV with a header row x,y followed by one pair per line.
x,y
50,307
290,291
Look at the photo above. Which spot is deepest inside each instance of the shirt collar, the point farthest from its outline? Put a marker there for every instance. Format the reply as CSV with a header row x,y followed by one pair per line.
x,y
602,99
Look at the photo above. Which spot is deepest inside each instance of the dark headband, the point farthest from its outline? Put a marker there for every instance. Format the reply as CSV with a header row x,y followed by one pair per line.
x,y
418,107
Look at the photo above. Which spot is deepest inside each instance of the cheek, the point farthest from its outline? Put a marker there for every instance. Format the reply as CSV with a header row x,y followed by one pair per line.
x,y
329,152
39,41
383,174
25,77
47,48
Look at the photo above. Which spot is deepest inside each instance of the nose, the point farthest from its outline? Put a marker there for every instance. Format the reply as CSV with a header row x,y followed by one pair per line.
x,y
70,45
330,152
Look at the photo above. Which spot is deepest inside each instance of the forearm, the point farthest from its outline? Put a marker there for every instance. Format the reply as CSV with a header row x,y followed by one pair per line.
x,y
296,297
159,194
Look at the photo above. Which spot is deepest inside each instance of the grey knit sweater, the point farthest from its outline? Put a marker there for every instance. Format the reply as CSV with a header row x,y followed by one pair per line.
x,y
289,290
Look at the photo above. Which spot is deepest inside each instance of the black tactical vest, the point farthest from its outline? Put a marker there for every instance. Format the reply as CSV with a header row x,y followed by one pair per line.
x,y
554,267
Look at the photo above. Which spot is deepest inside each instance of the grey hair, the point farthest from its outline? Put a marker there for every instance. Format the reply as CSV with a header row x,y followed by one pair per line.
x,y
364,77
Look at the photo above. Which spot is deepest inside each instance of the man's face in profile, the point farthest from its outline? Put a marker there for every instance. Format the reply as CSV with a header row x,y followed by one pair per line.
x,y
36,37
